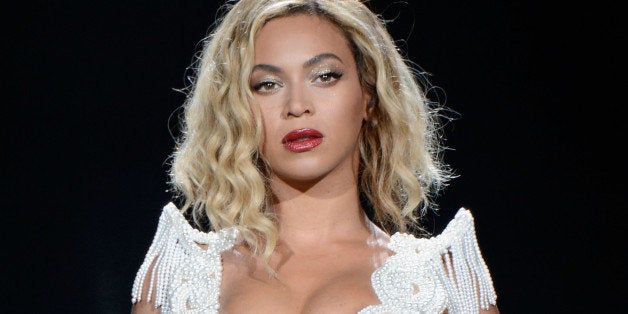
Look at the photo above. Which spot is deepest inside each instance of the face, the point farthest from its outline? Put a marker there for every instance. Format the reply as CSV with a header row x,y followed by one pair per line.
x,y
305,82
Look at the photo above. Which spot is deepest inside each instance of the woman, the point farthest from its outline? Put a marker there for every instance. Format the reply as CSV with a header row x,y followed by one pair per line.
x,y
299,107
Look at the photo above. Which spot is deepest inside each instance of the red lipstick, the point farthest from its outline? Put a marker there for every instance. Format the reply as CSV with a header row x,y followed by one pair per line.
x,y
302,140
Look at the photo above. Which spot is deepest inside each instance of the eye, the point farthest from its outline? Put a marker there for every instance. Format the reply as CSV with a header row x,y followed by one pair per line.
x,y
329,77
265,87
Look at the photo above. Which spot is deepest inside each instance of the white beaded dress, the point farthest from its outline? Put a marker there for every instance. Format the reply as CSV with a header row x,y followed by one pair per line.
x,y
424,275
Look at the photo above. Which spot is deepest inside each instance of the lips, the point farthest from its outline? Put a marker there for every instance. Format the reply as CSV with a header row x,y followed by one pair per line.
x,y
302,140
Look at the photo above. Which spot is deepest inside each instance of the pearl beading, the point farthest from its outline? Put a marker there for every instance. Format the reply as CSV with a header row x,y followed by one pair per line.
x,y
423,275
183,277
431,275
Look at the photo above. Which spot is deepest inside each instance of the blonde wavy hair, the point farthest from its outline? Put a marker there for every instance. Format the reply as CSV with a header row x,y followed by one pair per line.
x,y
217,168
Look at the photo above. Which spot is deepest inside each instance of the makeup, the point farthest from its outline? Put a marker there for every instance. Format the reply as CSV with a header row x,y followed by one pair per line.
x,y
301,140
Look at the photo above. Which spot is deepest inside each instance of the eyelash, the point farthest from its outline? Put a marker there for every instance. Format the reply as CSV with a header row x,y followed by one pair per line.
x,y
331,74
258,86
335,75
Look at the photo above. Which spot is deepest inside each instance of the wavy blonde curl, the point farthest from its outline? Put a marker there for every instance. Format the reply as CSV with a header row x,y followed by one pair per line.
x,y
217,167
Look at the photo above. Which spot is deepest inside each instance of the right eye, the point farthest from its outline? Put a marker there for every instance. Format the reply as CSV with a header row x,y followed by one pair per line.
x,y
265,87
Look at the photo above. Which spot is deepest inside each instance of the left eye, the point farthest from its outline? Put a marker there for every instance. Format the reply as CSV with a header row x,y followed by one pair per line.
x,y
328,77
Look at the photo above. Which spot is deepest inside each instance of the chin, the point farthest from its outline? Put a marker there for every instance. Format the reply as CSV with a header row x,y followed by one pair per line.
x,y
309,170
301,177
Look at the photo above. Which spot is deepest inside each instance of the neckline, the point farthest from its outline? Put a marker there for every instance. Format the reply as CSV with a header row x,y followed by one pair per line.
x,y
377,267
229,237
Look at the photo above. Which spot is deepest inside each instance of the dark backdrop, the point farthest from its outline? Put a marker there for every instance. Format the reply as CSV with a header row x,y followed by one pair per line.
x,y
537,144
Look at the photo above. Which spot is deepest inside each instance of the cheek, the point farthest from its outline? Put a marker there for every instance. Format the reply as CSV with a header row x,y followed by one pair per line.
x,y
353,100
346,122
353,108
268,128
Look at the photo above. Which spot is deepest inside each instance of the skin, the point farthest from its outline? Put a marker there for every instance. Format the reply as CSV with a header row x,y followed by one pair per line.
x,y
323,262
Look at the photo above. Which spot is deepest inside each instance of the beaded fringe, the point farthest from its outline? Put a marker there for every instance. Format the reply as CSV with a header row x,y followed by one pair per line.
x,y
183,277
160,260
462,269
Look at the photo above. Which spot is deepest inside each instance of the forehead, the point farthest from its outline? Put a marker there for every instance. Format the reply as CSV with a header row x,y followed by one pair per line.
x,y
299,37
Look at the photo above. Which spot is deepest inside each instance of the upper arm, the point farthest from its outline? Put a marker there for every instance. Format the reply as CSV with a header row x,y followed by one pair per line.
x,y
492,309
144,305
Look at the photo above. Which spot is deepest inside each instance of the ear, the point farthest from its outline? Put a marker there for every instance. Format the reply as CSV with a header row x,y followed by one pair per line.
x,y
369,106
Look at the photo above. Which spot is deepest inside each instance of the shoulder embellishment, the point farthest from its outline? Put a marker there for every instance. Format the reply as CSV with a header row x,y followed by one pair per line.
x,y
430,275
182,277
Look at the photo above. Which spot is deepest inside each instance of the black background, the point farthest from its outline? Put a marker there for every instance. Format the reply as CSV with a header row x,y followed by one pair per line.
x,y
90,87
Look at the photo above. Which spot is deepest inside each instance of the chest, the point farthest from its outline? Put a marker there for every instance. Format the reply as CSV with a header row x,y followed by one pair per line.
x,y
302,285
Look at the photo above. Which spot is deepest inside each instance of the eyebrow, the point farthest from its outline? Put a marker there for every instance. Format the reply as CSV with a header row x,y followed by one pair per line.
x,y
319,58
267,67
309,63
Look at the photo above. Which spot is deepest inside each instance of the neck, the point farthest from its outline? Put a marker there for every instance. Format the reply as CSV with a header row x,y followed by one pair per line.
x,y
322,213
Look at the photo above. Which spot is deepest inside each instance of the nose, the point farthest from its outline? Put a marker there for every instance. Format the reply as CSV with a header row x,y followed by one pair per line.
x,y
298,102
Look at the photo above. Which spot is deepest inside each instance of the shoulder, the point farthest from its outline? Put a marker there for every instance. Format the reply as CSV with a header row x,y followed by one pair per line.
x,y
459,229
176,226
433,274
182,265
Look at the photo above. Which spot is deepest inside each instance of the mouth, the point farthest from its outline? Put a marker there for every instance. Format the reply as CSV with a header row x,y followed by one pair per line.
x,y
302,140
